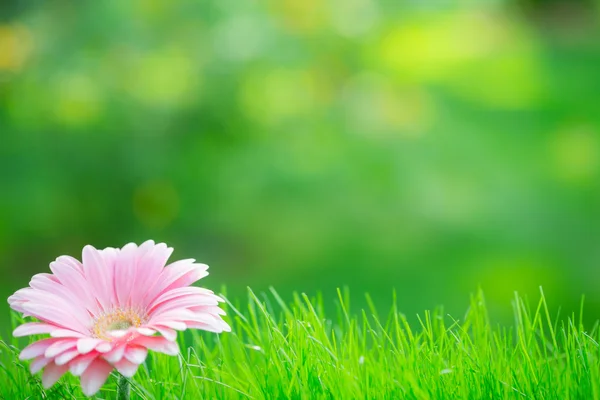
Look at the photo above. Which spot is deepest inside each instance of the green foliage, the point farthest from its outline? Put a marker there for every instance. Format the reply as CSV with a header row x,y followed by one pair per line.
x,y
307,144
291,351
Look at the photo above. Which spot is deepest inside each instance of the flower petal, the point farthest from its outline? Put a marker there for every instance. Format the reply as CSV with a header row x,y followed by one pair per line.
x,y
66,333
86,345
136,354
192,300
151,263
39,363
71,276
52,373
168,276
94,376
36,348
65,357
50,309
104,347
167,333
59,347
99,274
81,363
182,291
125,273
116,354
126,368
158,344
34,328
178,326
145,331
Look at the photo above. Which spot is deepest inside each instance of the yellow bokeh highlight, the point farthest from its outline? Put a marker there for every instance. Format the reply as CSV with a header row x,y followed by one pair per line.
x,y
16,45
277,95
77,99
480,56
301,16
376,106
164,78
576,155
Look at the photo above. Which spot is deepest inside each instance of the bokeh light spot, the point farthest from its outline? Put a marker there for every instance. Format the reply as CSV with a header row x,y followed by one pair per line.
x,y
476,55
576,154
278,95
78,99
16,45
352,18
376,107
163,78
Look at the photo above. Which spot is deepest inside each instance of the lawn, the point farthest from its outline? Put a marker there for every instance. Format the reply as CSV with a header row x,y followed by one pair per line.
x,y
280,350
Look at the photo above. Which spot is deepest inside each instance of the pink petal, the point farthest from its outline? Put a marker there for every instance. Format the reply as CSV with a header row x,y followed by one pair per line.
x,y
71,262
190,277
136,354
145,331
39,363
49,284
178,314
86,345
125,273
66,333
177,325
94,376
81,363
150,263
158,344
45,282
182,291
99,274
16,303
36,348
116,354
104,347
209,328
144,249
54,315
73,279
209,322
192,300
67,307
65,357
167,333
168,275
213,310
59,347
52,373
34,328
126,368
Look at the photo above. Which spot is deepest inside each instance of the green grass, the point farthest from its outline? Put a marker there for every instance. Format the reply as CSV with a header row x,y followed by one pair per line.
x,y
296,351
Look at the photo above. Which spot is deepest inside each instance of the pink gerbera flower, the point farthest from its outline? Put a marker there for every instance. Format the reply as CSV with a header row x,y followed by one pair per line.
x,y
106,312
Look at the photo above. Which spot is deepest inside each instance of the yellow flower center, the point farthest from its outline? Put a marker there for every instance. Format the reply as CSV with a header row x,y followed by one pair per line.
x,y
115,320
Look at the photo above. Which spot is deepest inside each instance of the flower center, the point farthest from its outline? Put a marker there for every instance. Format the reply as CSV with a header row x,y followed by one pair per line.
x,y
115,320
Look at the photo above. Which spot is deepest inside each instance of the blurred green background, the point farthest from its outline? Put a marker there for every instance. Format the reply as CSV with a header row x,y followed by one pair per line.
x,y
309,144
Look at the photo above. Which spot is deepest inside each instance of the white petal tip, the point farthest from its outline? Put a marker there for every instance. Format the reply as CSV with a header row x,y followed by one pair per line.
x,y
146,331
104,347
117,333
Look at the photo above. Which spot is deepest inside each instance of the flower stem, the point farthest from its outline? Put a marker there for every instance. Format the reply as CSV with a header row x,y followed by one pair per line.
x,y
123,388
